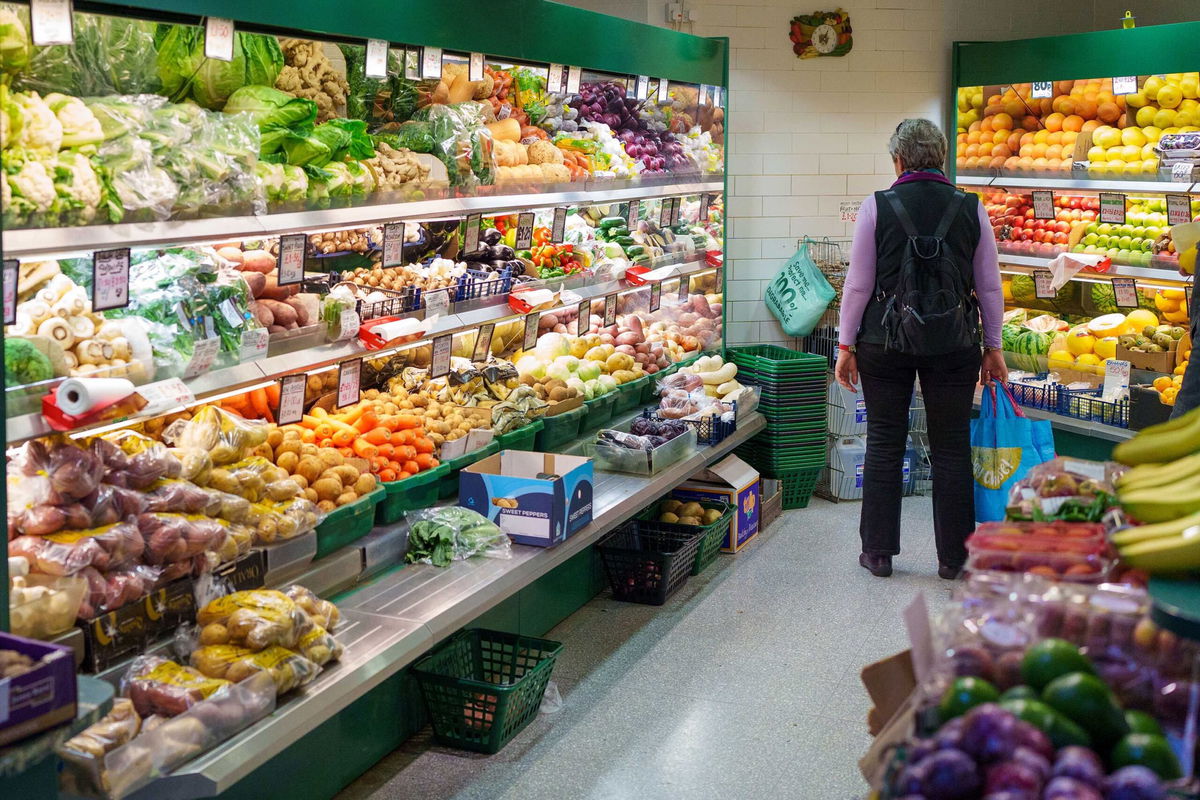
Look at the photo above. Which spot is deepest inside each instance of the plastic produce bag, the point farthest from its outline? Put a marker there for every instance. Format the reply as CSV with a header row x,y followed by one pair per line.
x,y
1065,489
111,55
439,536
255,619
1005,445
288,670
68,552
159,686
322,612
225,436
174,537
799,294
108,591
84,754
461,141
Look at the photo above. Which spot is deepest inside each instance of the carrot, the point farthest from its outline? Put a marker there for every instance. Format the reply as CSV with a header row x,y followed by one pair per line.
x,y
317,411
345,437
403,437
402,475
407,421
406,452
351,414
364,448
390,423
309,420
261,405
423,445
412,467
386,449
308,436
387,475
325,430
366,422
379,462
325,443
272,390
377,436
425,460
395,465
348,452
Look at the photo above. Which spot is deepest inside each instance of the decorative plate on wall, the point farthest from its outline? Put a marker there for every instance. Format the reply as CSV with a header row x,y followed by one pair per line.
x,y
821,33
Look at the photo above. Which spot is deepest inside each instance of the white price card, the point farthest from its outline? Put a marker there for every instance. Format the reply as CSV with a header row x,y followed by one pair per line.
x,y
676,211
204,353
431,62
559,229
471,233
209,328
574,76
483,342
51,22
704,99
1112,207
664,91
161,395
1125,84
440,361
524,238
685,286
531,330
631,214
437,303
716,96
1179,209
664,213
655,295
643,87
349,373
720,279
1125,292
610,309
292,247
475,67
12,272
1043,284
1043,204
706,199
554,79
110,279
1042,89
230,312
348,324
291,399
1182,172
393,244
375,65
412,64
847,208
583,322
254,344
1116,379
218,38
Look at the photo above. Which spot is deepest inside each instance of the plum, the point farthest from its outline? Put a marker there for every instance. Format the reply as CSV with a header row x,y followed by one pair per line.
x,y
1081,764
920,749
1009,794
949,775
1008,670
1134,783
1064,788
989,734
1013,775
973,661
1034,760
911,778
949,736
1032,738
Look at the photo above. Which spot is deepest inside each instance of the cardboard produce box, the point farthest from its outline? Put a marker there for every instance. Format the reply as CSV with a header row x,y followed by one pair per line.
x,y
536,498
735,482
1155,362
41,698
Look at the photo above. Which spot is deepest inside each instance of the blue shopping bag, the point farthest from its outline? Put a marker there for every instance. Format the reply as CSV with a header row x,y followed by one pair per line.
x,y
1005,444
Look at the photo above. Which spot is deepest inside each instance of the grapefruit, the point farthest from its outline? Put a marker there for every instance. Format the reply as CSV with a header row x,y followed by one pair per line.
x,y
1080,341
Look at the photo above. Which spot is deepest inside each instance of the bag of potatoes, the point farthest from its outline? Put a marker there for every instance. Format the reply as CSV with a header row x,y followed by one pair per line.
x,y
287,670
255,619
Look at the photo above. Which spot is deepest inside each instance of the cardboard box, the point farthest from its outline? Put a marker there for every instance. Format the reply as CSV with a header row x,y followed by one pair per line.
x,y
735,482
1155,362
41,698
536,498
563,406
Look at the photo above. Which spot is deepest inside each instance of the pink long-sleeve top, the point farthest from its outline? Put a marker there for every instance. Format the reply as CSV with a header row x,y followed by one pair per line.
x,y
860,278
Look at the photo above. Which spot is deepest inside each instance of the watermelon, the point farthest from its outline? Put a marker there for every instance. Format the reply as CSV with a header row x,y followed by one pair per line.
x,y
1023,291
1103,298
1029,348
1008,336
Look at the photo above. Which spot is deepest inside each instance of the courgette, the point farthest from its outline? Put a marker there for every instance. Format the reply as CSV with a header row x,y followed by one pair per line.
x,y
626,242
634,250
611,222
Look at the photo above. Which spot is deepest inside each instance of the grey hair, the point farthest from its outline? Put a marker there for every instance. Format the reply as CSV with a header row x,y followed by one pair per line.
x,y
919,144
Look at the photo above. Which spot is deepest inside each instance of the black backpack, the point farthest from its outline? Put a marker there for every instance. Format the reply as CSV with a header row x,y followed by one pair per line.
x,y
932,309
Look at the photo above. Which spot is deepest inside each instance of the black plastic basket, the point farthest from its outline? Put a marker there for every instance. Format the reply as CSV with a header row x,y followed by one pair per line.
x,y
712,535
709,430
645,567
483,687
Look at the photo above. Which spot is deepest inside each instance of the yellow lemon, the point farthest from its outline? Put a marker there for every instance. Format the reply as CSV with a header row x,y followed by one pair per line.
x,y
1080,342
1060,359
1152,133
1145,115
1134,136
1162,382
1164,118
1097,154
1169,96
1187,261
1151,86
1106,347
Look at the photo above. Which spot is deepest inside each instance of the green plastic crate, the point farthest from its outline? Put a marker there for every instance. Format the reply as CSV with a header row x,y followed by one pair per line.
x,y
777,360
522,438
629,395
349,523
559,430
448,485
650,391
710,542
419,491
798,487
598,412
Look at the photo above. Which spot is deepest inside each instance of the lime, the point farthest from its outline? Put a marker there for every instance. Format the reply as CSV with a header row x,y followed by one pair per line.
x,y
1049,659
964,694
1147,750
1141,722
1020,693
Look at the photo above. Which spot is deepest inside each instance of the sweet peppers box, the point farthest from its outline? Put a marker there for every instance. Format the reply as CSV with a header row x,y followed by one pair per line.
x,y
536,498
735,482
41,698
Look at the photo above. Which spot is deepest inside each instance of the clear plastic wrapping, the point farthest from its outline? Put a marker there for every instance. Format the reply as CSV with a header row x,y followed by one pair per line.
x,y
1065,489
68,552
174,537
108,591
255,619
322,612
223,435
440,536
288,670
159,686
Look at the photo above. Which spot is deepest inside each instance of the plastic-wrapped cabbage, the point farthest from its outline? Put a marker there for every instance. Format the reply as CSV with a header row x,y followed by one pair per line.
x,y
187,73
279,115
350,180
281,183
111,55
14,41
461,141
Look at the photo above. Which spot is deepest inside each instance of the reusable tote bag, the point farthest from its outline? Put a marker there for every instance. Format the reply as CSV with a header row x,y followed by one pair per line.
x,y
1005,444
799,294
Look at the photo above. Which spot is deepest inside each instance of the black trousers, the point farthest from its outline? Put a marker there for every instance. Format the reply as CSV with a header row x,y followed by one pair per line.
x,y
948,387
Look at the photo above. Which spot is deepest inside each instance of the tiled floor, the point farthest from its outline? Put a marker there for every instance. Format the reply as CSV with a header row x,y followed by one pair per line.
x,y
745,684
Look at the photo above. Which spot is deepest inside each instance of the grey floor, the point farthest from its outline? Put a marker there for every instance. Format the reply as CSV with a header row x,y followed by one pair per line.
x,y
745,684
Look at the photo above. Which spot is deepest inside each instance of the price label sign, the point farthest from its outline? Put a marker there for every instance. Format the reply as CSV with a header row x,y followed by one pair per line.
x,y
631,214
375,65
161,395
475,67
393,244
218,38
437,303
349,373
1125,84
440,363
1043,287
431,62
655,295
291,399
574,76
531,330
716,96
1116,379
1181,172
643,87
676,210
524,239
703,95
554,79
1112,207
1187,299
1043,204
292,247
704,201
610,309
471,233
1042,89
664,91
720,278
664,213
559,229
204,353
583,322
1125,292
685,286
110,279
483,342
51,22
12,271
348,324
1179,209
412,65
254,344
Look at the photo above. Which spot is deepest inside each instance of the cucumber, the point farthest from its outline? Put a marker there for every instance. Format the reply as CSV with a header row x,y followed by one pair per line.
x,y
611,222
617,231
626,242
634,250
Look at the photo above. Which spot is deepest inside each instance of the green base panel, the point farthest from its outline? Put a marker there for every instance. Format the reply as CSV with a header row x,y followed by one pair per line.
x,y
1077,445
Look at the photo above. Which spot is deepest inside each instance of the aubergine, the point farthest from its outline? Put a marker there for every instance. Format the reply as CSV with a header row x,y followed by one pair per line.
x,y
502,252
490,236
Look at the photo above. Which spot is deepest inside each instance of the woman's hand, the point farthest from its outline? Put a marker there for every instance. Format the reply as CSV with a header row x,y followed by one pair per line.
x,y
994,368
846,371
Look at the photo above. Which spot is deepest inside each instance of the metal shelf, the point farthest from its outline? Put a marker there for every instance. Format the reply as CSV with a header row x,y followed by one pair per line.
x,y
1116,271
43,242
1079,184
1072,425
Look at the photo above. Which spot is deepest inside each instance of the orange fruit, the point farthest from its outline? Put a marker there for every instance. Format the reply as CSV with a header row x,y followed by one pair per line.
x,y
1054,151
1014,108
985,125
1040,150
1073,123
973,137
1000,136
1001,150
1041,137
1026,162
1014,142
1029,123
972,163
985,148
975,126
1067,106
1108,112
1027,138
1012,163
1054,138
996,163
1087,107
972,150
1053,163
1090,126
1040,163
1054,122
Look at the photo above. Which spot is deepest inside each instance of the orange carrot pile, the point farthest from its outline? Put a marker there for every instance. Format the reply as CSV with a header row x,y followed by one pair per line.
x,y
256,404
395,445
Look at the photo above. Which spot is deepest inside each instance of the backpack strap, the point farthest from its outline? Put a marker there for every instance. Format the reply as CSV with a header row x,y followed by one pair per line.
x,y
901,213
951,212
906,220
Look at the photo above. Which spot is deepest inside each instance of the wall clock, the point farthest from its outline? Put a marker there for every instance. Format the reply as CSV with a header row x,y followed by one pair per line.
x,y
821,33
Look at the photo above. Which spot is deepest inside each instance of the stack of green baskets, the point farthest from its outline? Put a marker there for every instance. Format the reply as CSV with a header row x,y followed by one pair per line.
x,y
792,448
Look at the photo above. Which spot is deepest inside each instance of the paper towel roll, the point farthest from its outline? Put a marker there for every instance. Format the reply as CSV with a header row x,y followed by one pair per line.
x,y
78,396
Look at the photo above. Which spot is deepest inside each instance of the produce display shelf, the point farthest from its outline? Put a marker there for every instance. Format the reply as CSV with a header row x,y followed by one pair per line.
x,y
1176,605
1116,271
396,618
94,699
1062,184
1076,426
28,243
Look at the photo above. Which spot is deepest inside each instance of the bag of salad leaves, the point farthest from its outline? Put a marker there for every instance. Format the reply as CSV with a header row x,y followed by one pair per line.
x,y
111,55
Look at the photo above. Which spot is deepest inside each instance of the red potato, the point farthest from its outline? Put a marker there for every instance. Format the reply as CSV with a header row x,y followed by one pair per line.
x,y
606,339
626,349
628,338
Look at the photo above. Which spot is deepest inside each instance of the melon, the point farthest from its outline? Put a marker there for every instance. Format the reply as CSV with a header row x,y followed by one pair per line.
x,y
1140,318
1008,336
1017,316
1027,349
1108,325
1023,290
1046,323
1103,298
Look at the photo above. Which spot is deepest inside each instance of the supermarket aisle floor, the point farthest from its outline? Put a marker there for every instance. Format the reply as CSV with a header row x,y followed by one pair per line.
x,y
744,685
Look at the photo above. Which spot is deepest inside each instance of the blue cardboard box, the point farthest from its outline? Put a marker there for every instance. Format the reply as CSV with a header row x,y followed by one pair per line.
x,y
536,498
738,484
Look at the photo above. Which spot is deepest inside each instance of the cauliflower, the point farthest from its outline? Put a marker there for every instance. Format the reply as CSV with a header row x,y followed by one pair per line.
x,y
77,187
309,74
14,42
40,130
30,189
79,124
543,152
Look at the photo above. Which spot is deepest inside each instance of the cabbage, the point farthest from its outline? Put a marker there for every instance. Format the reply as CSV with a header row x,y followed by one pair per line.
x,y
570,362
186,72
278,114
588,370
607,383
14,42
552,345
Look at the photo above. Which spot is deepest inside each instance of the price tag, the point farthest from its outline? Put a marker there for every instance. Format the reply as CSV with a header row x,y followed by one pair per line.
x,y
218,38
720,279
704,201
1126,84
161,395
531,330
1125,292
437,302
583,322
1042,89
664,91
110,279
50,22
1179,209
204,353
655,295
664,213
230,313
631,214
471,234
1043,287
483,342
676,210
703,101
1181,172
475,67
1187,299
292,247
685,286
610,309
12,272
1112,207
1116,379
349,373
440,363
393,244
431,62
254,344
574,75
559,229
291,399
554,79
208,327
716,96
348,324
1043,204
524,239
375,65
643,87
412,65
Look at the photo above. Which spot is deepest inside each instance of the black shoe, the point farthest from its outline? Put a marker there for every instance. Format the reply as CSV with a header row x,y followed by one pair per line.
x,y
879,566
948,572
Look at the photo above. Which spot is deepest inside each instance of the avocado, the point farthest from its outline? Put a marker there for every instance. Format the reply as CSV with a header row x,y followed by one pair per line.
x,y
1141,722
1086,700
1049,659
1020,693
1059,729
964,694
1147,750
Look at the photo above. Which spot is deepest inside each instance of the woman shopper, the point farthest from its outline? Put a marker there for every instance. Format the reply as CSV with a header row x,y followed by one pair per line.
x,y
894,328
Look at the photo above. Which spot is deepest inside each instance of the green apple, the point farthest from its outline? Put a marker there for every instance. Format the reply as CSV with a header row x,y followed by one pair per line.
x,y
1091,238
1139,231
1125,242
1138,243
1105,229
1093,227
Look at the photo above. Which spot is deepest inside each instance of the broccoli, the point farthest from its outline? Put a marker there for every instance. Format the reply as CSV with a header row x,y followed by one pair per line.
x,y
24,363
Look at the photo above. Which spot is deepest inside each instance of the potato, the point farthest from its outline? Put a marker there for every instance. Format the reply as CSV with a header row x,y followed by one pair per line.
x,y
345,498
310,495
288,460
310,468
711,515
326,505
667,516
346,473
672,505
331,457
275,437
214,633
300,481
328,488
365,484
692,509
693,521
